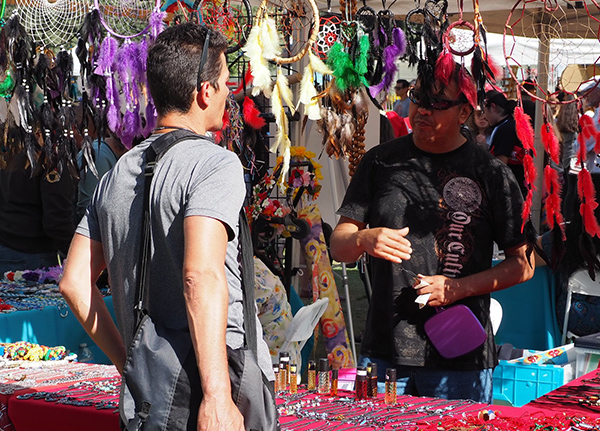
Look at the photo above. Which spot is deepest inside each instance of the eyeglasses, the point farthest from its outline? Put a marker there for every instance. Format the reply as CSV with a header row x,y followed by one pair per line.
x,y
436,103
203,59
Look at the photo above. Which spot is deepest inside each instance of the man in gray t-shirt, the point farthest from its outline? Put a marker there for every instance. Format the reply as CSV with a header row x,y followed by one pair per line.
x,y
196,195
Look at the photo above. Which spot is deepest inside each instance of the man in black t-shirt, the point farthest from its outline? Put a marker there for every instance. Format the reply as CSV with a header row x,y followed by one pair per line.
x,y
433,203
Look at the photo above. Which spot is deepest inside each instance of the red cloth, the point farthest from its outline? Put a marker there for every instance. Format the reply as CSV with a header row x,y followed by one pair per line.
x,y
400,124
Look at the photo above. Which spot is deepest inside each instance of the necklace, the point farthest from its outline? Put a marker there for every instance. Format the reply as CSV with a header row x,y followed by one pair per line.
x,y
172,127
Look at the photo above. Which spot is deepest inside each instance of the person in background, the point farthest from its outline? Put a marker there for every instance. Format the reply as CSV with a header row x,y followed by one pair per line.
x,y
36,216
432,203
194,264
401,105
504,143
567,123
479,128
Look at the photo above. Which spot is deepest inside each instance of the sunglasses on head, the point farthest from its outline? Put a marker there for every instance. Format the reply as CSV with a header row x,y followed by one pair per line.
x,y
203,59
437,103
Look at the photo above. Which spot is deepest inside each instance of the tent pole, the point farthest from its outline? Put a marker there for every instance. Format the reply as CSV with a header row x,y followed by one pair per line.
x,y
336,204
542,80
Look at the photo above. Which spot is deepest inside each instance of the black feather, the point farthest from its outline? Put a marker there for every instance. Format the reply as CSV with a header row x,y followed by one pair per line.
x,y
89,156
558,246
531,238
41,70
30,148
588,253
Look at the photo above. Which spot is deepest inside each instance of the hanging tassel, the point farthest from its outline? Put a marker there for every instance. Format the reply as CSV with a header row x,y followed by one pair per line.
x,y
553,188
467,87
252,115
89,157
106,58
588,129
258,64
588,252
524,129
285,91
157,23
550,141
587,197
444,68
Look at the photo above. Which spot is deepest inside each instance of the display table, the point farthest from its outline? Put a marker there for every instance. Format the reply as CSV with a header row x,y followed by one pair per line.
x,y
41,395
528,313
50,326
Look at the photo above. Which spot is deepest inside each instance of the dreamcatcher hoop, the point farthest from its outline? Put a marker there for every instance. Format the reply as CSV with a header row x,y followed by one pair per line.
x,y
51,23
123,18
582,22
312,14
233,18
459,38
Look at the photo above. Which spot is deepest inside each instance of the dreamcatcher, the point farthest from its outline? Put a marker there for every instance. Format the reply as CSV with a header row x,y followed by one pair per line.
x,y
329,32
565,36
233,18
119,88
283,32
52,24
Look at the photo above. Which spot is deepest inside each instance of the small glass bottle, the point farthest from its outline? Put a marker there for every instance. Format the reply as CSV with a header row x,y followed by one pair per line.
x,y
390,386
312,376
324,386
361,385
276,372
284,359
293,379
84,354
334,383
372,375
282,378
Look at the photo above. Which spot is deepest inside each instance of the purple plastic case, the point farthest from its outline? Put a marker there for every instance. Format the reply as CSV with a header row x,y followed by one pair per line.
x,y
455,331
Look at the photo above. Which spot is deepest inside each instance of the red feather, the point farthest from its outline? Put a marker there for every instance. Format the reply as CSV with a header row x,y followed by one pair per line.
x,y
597,145
550,142
587,127
524,129
581,151
496,71
218,137
248,77
553,188
252,114
526,213
467,87
587,197
444,67
530,172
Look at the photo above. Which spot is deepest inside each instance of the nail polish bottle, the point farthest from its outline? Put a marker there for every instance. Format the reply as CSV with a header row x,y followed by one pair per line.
x,y
361,384
390,386
312,376
334,382
323,377
372,379
293,379
284,359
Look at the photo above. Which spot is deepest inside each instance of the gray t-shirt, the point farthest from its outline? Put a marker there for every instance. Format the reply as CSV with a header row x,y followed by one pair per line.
x,y
194,178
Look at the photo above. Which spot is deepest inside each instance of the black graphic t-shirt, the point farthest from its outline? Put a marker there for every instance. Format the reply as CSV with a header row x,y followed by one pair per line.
x,y
455,205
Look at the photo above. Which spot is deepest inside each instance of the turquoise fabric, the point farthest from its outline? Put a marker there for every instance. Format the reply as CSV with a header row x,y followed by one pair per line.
x,y
51,327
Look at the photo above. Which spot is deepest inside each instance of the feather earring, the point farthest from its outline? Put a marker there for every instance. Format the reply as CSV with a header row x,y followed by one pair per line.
x,y
587,197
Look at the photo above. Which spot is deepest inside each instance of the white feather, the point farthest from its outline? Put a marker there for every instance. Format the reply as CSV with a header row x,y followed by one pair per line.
x,y
318,66
260,68
269,38
284,90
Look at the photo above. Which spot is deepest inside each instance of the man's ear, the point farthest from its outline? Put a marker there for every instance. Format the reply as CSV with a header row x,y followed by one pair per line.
x,y
465,112
203,94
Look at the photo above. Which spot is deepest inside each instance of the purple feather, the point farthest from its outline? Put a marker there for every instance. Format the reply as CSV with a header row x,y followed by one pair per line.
x,y
390,53
143,53
157,18
150,118
106,58
129,129
113,118
137,60
399,40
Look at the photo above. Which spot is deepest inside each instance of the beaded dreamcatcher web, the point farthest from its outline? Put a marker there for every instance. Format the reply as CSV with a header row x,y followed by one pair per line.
x,y
329,33
52,23
233,18
568,34
127,18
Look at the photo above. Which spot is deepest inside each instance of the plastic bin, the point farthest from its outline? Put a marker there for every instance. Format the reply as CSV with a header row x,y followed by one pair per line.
x,y
588,354
518,384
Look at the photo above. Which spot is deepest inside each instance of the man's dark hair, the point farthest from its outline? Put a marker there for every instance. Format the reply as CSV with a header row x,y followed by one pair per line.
x,y
173,62
403,83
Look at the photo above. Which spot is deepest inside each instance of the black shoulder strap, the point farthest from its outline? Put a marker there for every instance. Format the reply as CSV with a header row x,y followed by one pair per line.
x,y
154,152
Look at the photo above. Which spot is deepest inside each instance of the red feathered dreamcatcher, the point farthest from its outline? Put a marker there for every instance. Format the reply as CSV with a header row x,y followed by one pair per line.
x,y
563,35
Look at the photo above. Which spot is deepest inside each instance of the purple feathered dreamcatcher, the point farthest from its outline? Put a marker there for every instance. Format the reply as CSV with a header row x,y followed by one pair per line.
x,y
118,83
